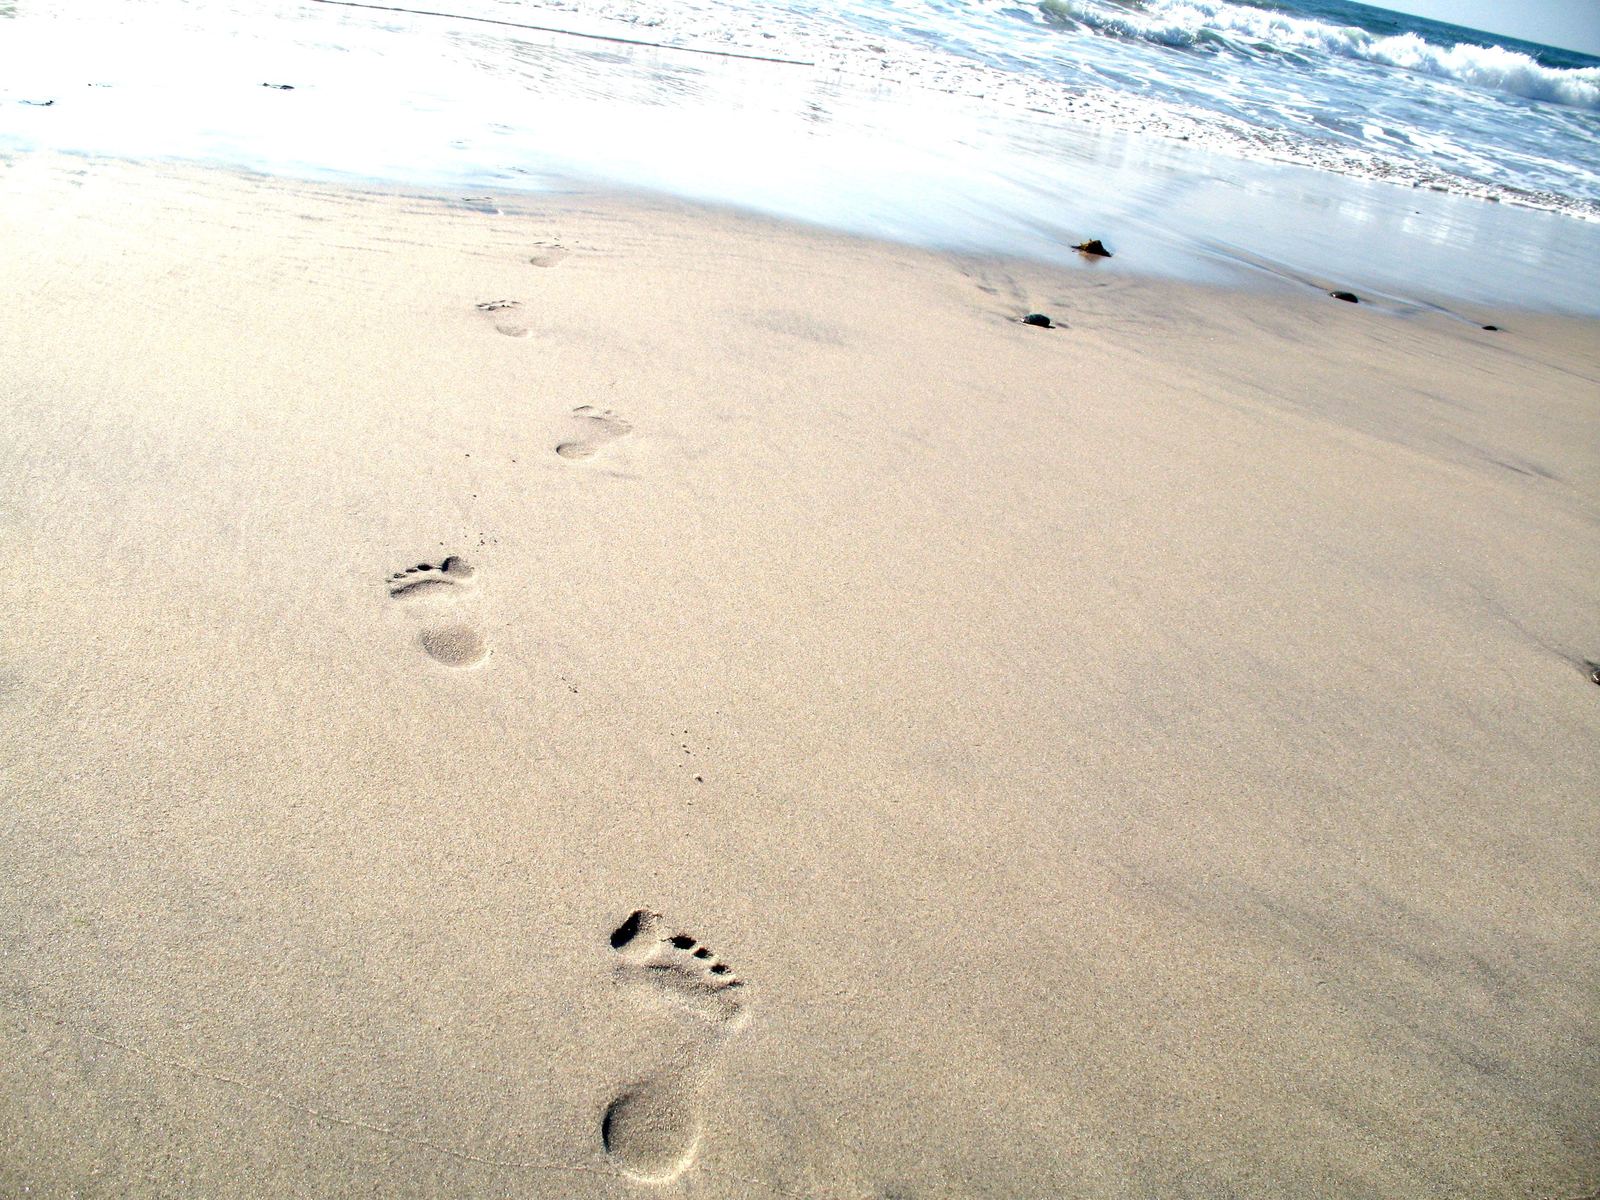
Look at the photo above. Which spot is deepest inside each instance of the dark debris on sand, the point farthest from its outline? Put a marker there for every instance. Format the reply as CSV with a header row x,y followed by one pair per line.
x,y
1039,319
1347,297
1094,247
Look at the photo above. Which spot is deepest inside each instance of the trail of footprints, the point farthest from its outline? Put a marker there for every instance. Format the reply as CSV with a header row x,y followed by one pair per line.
x,y
504,313
651,1129
438,592
593,427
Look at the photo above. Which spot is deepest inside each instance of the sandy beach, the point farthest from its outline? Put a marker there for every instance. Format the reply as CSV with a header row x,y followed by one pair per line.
x,y
579,696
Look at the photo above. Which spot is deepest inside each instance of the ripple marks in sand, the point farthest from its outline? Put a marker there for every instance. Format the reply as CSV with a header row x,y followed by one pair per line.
x,y
454,643
598,426
651,1127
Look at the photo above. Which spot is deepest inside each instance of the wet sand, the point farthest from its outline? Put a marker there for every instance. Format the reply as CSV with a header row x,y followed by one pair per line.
x,y
607,698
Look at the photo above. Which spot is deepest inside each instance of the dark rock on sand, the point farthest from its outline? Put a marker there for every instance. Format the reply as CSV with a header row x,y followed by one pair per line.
x,y
1093,247
1039,319
39,103
1492,328
281,87
1349,297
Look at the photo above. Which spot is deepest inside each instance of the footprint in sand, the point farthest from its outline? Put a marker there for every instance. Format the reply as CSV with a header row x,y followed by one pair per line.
x,y
504,315
453,643
548,254
427,579
598,426
651,1127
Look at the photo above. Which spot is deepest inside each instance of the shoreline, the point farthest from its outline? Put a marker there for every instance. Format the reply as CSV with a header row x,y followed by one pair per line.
x,y
851,68
351,104
1217,265
1147,757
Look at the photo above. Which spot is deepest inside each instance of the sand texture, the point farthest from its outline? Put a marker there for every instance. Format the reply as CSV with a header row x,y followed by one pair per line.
x,y
605,699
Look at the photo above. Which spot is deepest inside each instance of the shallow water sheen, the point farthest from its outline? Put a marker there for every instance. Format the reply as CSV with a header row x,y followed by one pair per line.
x,y
449,104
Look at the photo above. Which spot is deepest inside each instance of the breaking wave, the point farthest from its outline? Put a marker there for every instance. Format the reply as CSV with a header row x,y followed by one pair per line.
x,y
1250,30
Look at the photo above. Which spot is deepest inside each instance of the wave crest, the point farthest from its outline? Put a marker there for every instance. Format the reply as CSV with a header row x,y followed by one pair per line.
x,y
1196,23
1492,67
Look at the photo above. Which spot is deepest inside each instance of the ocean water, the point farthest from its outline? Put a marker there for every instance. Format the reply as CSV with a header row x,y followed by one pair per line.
x,y
1330,84
1319,141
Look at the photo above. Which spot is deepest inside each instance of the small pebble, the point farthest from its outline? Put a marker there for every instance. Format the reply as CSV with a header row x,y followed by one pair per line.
x,y
1094,247
1039,319
1348,297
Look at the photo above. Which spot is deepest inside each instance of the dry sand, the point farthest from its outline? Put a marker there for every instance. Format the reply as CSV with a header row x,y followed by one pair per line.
x,y
1148,758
